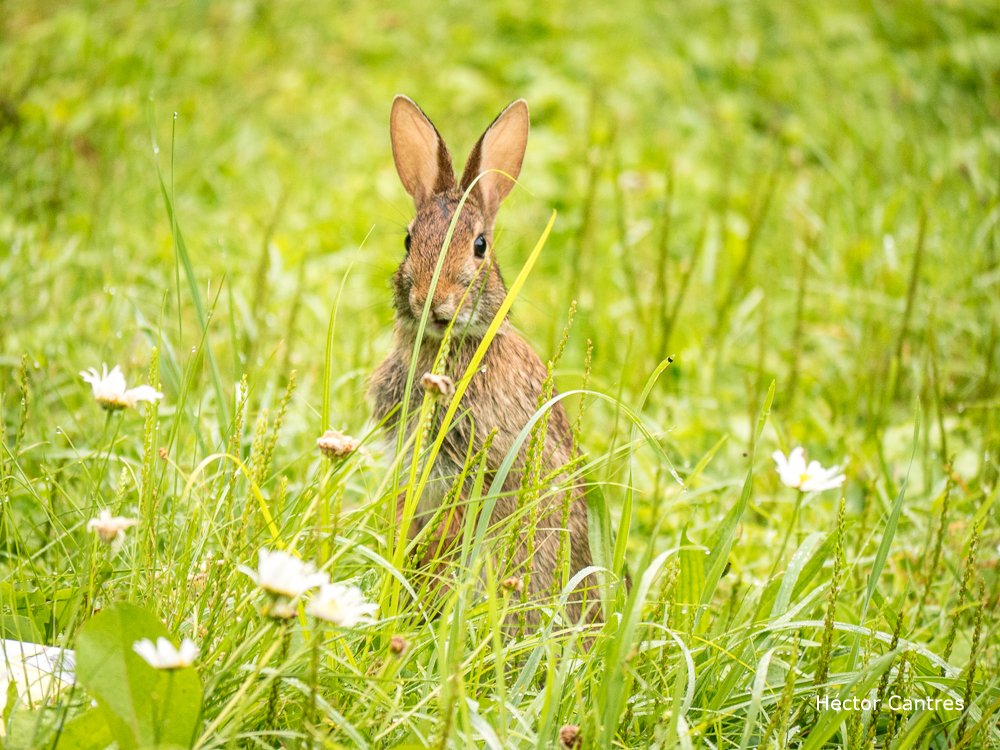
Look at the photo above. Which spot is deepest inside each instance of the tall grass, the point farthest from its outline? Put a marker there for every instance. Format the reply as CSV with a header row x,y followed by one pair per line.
x,y
777,225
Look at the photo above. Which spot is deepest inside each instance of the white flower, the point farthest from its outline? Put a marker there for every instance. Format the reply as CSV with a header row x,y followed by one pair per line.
x,y
334,444
111,392
812,478
109,527
282,574
438,385
342,604
164,656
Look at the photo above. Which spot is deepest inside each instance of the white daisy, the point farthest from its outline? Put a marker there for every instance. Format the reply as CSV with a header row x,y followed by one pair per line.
x,y
282,574
109,527
342,604
111,392
794,472
163,655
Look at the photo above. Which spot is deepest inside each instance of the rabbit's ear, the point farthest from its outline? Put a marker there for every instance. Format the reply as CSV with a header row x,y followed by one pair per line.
x,y
498,156
422,159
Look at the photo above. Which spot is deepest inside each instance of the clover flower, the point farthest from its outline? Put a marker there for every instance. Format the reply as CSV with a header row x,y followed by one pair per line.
x,y
514,584
794,472
334,444
438,385
163,655
111,392
342,604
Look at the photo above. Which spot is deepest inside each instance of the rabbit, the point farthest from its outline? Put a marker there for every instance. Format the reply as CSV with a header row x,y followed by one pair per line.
x,y
504,393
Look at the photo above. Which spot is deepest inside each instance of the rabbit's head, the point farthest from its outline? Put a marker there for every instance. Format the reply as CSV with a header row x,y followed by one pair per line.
x,y
470,288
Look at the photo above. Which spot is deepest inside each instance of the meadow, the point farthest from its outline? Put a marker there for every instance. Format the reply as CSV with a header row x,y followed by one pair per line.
x,y
740,227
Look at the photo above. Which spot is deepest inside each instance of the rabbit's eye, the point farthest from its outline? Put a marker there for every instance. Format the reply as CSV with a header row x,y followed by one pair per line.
x,y
406,242
479,246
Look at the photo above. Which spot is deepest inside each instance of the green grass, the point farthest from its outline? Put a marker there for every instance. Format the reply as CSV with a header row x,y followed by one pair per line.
x,y
772,193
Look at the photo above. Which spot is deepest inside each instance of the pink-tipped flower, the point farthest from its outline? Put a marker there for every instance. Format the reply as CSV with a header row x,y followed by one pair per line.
x,y
108,527
439,386
514,584
334,444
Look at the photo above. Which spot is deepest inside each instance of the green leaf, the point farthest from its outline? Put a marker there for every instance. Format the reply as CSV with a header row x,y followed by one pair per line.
x,y
27,728
20,628
882,554
598,525
806,575
805,553
691,580
184,258
88,731
861,682
143,706
725,535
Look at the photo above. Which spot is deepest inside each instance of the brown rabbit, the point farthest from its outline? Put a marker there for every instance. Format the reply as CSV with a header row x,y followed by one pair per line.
x,y
503,394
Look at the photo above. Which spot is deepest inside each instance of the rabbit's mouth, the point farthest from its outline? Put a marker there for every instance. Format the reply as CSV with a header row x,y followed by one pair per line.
x,y
464,324
434,328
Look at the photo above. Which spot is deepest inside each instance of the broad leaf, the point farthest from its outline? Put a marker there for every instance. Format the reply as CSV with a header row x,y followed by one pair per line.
x,y
143,706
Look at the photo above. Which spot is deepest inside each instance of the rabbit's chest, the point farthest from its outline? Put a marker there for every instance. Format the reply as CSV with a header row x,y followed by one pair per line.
x,y
500,397
440,480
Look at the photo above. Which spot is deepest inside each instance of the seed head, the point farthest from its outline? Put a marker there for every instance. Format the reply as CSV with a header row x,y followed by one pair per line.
x,y
398,645
569,736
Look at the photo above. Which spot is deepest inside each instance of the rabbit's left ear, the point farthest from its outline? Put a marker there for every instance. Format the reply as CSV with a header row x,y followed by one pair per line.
x,y
498,156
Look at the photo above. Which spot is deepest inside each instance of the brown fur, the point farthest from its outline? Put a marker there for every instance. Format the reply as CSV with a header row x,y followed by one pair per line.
x,y
503,395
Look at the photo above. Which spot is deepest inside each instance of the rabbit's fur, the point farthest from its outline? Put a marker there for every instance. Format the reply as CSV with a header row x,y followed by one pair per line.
x,y
504,393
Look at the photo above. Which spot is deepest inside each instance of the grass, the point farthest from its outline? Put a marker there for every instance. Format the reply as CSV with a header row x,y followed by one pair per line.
x,y
798,203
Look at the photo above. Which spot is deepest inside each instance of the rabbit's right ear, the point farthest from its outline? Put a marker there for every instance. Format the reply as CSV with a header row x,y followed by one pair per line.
x,y
422,159
498,156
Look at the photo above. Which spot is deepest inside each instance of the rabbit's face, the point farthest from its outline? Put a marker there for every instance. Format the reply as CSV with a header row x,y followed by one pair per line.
x,y
469,289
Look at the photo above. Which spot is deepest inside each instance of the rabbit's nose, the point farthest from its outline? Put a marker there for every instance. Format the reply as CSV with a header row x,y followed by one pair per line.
x,y
443,311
